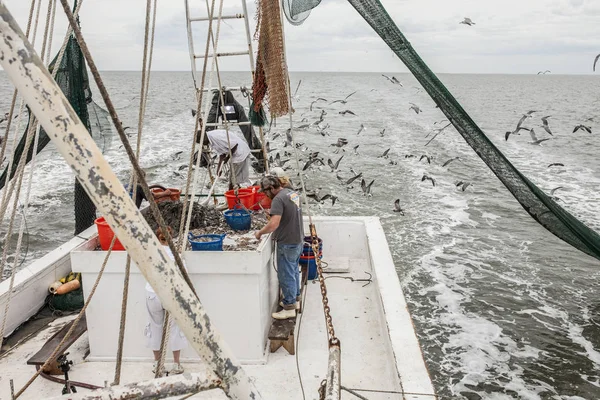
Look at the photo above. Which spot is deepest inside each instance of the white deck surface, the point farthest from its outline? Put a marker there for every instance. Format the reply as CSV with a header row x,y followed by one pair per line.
x,y
372,322
367,360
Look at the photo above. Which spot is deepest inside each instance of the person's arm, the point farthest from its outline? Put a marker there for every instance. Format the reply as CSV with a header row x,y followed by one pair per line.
x,y
271,226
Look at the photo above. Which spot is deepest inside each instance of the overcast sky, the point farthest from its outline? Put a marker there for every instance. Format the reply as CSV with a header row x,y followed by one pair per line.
x,y
510,36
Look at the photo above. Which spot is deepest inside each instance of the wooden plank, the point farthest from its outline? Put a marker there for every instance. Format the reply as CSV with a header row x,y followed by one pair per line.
x,y
281,329
46,351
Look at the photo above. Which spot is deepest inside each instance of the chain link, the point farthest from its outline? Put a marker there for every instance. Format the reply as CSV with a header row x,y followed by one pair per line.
x,y
333,340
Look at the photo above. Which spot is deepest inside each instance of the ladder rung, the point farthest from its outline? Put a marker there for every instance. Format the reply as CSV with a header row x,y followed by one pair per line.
x,y
230,89
200,19
229,123
232,53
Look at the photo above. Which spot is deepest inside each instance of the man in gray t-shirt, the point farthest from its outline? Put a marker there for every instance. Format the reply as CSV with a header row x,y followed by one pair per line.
x,y
286,223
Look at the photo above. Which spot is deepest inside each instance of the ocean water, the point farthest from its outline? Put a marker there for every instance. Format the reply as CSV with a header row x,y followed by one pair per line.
x,y
503,309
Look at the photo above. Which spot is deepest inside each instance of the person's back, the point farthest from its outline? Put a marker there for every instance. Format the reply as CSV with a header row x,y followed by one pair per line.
x,y
290,229
220,144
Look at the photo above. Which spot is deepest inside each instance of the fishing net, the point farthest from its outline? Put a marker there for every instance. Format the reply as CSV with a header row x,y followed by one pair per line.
x,y
296,11
72,78
271,78
537,203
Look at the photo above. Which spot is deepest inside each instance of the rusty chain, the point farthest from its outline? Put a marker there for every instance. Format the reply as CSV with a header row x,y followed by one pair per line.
x,y
333,340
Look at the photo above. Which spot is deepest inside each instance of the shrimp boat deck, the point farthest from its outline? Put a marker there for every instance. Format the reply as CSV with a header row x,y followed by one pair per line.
x,y
380,350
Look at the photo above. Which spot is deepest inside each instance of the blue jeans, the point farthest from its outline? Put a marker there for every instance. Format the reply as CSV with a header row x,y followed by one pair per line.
x,y
288,273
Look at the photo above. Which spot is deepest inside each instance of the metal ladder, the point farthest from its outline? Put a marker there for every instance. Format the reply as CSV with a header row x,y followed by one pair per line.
x,y
194,57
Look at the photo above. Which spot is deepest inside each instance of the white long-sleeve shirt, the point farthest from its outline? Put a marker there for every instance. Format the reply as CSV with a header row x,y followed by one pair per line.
x,y
218,142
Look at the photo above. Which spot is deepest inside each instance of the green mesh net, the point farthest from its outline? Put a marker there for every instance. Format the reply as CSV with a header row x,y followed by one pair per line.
x,y
72,78
537,203
296,11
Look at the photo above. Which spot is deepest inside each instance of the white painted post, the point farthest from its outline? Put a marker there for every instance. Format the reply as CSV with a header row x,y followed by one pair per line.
x,y
75,144
172,386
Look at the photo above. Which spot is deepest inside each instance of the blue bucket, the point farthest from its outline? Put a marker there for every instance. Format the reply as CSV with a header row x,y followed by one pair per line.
x,y
238,219
311,264
215,242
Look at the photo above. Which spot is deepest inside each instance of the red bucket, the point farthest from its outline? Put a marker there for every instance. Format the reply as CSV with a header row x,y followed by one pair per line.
x,y
245,196
175,194
105,235
260,198
161,195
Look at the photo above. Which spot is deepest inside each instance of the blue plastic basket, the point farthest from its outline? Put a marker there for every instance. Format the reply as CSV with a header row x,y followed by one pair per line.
x,y
215,244
238,219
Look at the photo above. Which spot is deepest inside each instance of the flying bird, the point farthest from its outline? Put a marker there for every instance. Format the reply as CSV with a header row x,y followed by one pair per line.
x,y
393,80
467,21
341,142
344,101
347,112
427,177
362,128
588,129
319,99
595,61
516,131
355,177
544,72
463,185
534,139
557,164
450,160
397,207
427,157
545,124
552,196
366,188
355,148
332,165
385,153
414,107
524,117
382,132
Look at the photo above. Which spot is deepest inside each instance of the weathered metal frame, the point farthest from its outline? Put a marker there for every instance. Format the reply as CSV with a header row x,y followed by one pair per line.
x,y
29,75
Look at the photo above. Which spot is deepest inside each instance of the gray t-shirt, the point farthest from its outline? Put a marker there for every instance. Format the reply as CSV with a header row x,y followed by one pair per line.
x,y
291,229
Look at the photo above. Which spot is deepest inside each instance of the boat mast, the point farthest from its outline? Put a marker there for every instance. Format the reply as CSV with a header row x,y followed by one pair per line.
x,y
27,72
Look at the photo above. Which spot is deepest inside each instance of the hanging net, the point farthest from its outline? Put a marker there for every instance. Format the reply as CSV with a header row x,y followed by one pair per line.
x,y
296,11
72,78
537,203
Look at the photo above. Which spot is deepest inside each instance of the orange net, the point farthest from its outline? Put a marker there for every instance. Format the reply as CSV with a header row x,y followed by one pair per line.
x,y
271,77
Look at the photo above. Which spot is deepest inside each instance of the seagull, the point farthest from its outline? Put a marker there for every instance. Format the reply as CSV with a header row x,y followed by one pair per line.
x,y
545,124
319,99
343,101
544,72
385,153
362,128
355,148
297,87
397,207
366,188
332,165
557,164
552,196
341,142
534,139
450,160
463,185
414,107
355,177
393,80
524,117
347,112
427,157
588,129
467,21
595,61
427,177
381,133
508,133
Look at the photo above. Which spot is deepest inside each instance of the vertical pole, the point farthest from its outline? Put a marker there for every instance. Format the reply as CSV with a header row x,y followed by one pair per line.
x,y
25,69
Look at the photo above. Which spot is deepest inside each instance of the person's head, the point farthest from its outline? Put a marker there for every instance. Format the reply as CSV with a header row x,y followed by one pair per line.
x,y
270,185
284,179
161,236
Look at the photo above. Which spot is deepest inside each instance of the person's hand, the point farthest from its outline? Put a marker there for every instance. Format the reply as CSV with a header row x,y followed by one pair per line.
x,y
257,235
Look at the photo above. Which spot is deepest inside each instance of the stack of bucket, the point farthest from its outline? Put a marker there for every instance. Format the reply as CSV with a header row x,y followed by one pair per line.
x,y
249,197
307,258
